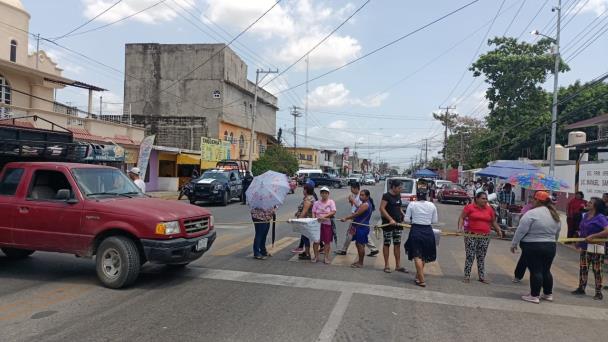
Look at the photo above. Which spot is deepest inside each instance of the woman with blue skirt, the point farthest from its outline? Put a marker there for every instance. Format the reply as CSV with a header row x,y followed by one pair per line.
x,y
420,245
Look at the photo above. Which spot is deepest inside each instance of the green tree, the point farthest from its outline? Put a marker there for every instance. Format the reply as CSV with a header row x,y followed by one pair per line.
x,y
580,102
518,104
466,131
276,158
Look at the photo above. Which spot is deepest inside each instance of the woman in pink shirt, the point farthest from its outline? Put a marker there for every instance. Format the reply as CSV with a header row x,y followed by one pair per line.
x,y
323,210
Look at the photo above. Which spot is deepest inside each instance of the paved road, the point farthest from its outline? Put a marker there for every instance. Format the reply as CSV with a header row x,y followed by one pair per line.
x,y
228,296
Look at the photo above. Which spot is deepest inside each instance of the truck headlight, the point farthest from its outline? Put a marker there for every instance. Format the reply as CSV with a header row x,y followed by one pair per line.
x,y
211,221
218,187
167,228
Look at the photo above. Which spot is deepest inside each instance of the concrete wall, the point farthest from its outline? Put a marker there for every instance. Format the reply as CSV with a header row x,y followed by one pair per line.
x,y
175,131
17,18
153,68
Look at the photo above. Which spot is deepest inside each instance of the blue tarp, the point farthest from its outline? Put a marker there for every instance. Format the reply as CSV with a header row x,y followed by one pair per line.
x,y
425,173
506,169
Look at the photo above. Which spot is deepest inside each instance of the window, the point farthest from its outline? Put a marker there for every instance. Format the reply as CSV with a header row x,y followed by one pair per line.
x,y
5,97
225,135
13,56
46,184
231,138
241,142
10,181
309,157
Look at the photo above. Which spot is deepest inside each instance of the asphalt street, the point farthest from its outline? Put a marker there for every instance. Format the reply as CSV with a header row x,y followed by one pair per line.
x,y
229,296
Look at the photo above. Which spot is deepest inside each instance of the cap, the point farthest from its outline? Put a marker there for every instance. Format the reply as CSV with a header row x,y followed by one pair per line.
x,y
542,196
324,189
135,171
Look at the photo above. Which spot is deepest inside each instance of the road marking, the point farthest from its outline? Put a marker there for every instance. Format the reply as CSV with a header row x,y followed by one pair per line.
x,y
335,318
279,245
415,295
248,241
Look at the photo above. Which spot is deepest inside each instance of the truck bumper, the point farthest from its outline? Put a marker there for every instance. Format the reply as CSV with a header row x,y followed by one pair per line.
x,y
212,197
176,251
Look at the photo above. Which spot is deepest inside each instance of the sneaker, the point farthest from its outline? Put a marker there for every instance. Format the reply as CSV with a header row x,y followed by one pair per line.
x,y
578,291
548,298
598,296
531,299
297,250
340,252
373,253
516,281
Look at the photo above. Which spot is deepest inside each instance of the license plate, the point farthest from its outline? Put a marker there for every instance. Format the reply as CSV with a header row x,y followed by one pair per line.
x,y
201,244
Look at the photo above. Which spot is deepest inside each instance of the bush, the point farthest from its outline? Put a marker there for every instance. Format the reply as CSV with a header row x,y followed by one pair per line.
x,y
276,158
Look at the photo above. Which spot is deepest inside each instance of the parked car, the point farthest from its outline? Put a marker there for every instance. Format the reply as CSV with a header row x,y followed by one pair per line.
x,y
325,179
408,191
216,185
92,210
354,178
305,174
369,180
452,192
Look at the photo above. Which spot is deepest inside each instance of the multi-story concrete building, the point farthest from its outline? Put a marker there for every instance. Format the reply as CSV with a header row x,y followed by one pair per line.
x,y
182,92
308,157
28,82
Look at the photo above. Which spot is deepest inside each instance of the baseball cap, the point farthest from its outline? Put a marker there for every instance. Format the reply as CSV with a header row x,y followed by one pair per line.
x,y
324,189
542,196
135,171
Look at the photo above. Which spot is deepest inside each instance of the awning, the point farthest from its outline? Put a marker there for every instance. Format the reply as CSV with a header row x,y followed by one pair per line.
x,y
426,173
505,169
188,159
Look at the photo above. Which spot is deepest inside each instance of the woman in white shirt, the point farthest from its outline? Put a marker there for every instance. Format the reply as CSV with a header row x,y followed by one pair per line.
x,y
420,245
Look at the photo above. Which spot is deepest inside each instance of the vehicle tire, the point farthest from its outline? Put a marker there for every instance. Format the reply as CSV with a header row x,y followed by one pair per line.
x,y
117,262
193,202
225,199
16,253
337,185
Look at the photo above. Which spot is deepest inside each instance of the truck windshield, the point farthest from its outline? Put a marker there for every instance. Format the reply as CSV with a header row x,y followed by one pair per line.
x,y
104,181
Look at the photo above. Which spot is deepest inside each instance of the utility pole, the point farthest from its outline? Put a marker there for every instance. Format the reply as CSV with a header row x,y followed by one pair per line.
x,y
100,106
255,106
306,106
446,119
295,112
426,152
555,89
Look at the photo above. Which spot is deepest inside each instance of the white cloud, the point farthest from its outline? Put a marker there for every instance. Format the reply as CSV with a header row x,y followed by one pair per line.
x,y
335,51
596,6
339,124
335,95
298,26
59,57
156,14
240,14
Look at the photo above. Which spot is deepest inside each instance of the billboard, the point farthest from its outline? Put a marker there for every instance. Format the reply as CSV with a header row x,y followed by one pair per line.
x,y
214,149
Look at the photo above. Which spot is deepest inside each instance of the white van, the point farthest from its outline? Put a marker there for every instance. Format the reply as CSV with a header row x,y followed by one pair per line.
x,y
304,174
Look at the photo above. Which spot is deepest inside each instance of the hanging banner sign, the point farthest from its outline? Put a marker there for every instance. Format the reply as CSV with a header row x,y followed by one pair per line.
x,y
593,179
214,149
145,149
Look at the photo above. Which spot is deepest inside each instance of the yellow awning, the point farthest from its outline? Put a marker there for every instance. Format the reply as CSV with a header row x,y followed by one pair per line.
x,y
206,164
188,159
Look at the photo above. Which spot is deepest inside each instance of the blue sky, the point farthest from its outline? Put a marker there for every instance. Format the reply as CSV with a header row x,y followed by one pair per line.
x,y
380,102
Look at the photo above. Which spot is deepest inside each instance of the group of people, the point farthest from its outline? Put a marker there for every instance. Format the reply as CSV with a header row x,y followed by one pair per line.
x,y
536,234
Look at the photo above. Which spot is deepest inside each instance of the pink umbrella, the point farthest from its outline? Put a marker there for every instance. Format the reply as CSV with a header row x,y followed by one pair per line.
x,y
268,190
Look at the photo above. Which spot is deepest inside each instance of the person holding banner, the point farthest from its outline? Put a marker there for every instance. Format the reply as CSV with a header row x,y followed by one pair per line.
x,y
360,225
305,211
594,225
323,210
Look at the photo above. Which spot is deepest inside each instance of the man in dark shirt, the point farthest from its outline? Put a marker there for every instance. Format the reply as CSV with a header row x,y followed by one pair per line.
x,y
246,182
392,215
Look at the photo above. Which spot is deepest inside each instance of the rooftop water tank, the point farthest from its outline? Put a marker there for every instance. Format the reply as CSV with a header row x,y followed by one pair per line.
x,y
561,153
576,137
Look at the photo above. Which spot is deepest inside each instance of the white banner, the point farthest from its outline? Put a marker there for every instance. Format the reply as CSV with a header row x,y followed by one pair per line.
x,y
593,179
309,227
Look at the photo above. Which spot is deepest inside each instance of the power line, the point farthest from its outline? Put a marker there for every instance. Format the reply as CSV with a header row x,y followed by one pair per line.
x,y
580,7
384,46
585,31
598,34
320,42
114,22
475,54
514,17
525,30
88,21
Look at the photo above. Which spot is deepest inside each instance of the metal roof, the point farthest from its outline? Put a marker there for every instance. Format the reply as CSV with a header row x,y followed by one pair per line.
x,y
589,122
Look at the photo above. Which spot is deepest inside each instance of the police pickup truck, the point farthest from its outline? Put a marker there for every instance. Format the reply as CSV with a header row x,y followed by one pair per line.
x,y
216,185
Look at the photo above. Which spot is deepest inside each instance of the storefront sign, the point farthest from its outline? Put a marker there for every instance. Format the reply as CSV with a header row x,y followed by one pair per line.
x,y
593,179
105,153
144,154
214,149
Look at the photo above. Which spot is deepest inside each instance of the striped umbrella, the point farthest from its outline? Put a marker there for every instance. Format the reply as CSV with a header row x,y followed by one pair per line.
x,y
538,181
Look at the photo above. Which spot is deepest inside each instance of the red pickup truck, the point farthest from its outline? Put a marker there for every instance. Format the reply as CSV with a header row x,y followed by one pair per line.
x,y
91,210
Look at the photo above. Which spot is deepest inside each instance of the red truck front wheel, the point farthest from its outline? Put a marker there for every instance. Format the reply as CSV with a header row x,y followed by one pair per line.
x,y
118,262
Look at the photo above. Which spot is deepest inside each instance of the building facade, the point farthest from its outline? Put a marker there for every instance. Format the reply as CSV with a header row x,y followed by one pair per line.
x,y
308,157
185,92
28,82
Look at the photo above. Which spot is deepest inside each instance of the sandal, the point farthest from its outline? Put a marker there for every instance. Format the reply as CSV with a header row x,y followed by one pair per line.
x,y
484,281
259,257
387,270
327,261
355,265
402,269
314,260
466,280
420,283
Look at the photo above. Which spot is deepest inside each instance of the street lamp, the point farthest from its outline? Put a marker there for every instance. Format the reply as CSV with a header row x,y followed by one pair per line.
x,y
555,41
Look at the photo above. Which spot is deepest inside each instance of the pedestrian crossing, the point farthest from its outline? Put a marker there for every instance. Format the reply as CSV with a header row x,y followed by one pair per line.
x,y
452,260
